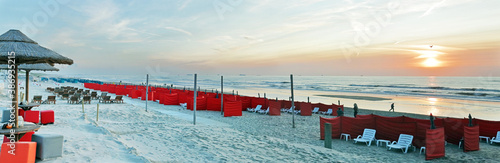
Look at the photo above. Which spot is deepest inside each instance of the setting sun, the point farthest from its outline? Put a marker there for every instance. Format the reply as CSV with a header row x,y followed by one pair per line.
x,y
431,62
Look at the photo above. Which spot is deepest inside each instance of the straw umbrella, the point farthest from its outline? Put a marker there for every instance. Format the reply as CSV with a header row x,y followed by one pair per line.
x,y
30,67
26,51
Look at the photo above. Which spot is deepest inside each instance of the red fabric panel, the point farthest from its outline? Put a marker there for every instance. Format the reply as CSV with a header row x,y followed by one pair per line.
x,y
201,103
336,126
274,108
471,138
390,119
356,126
171,99
305,109
364,116
322,107
213,104
103,88
454,130
488,128
232,108
183,97
434,145
135,93
389,130
246,103
422,126
286,104
112,88
259,101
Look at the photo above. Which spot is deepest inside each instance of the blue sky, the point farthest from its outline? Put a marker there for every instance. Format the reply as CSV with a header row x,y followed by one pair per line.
x,y
308,37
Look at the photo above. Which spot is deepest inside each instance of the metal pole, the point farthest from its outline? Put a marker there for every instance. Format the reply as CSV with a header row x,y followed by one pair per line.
x,y
147,90
27,85
293,105
221,95
194,103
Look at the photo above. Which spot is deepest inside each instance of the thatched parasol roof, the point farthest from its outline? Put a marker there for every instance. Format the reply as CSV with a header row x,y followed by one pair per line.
x,y
38,67
27,51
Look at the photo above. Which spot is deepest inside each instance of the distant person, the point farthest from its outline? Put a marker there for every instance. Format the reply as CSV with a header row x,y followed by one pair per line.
x,y
355,110
392,108
340,112
339,102
120,83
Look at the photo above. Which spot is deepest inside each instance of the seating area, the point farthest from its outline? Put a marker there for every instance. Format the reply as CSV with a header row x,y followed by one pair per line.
x,y
75,95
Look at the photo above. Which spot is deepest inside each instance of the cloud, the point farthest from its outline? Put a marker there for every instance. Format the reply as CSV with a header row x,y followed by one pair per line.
x,y
184,4
432,8
179,30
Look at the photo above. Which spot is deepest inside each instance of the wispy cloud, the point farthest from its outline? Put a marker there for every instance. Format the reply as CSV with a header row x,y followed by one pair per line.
x,y
184,4
179,30
432,8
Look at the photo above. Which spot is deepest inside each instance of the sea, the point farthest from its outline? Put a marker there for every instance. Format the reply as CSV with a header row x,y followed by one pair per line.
x,y
441,96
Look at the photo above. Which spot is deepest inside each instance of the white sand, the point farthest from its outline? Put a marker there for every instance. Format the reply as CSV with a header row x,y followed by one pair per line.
x,y
127,133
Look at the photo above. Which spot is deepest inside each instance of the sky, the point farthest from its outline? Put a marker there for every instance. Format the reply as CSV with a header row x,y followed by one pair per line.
x,y
264,37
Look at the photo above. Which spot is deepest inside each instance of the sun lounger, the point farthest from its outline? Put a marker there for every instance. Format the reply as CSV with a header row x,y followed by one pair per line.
x,y
257,109
496,139
368,136
65,96
329,112
264,111
51,99
315,110
94,96
253,109
118,99
403,143
86,99
74,100
105,99
183,105
37,99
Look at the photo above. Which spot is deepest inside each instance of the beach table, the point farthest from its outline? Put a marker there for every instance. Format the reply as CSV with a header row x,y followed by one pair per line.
x,y
27,107
19,132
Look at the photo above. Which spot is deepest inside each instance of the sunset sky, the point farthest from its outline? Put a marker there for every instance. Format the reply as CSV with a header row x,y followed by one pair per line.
x,y
264,37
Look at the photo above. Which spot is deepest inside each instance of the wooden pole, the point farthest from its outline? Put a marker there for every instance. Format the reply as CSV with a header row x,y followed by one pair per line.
x,y
194,103
293,105
221,95
83,110
307,99
97,118
328,135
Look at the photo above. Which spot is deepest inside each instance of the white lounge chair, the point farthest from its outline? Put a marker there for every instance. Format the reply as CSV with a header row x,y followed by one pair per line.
x,y
257,109
315,110
253,109
368,136
289,110
183,105
403,143
495,139
264,111
329,112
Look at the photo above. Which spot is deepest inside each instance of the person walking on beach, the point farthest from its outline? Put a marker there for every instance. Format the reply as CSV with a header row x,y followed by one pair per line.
x,y
355,110
392,107
340,112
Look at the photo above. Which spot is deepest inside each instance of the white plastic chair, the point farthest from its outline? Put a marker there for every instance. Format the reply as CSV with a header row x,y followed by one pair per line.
x,y
329,112
368,136
290,110
264,111
257,109
315,110
495,139
403,143
253,109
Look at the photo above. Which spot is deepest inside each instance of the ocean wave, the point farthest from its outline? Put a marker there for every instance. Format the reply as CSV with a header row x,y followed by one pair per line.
x,y
429,88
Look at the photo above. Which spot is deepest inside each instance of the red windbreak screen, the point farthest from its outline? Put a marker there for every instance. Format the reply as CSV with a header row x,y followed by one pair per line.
x,y
274,108
471,138
232,108
488,128
171,99
305,109
259,101
388,130
434,144
336,127
454,130
356,126
213,104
